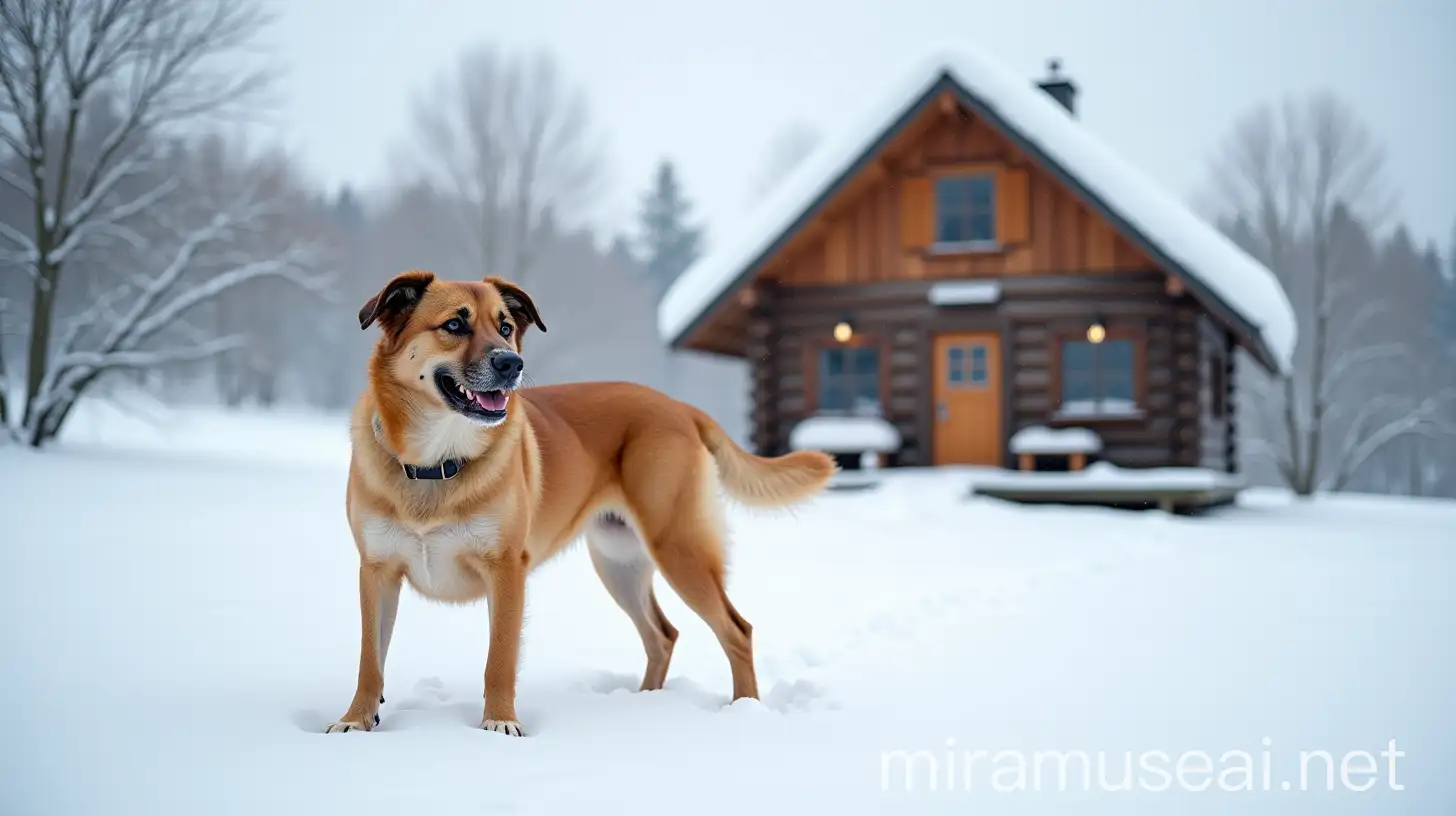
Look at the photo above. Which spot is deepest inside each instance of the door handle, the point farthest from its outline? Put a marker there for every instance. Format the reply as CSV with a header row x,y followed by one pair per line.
x,y
941,412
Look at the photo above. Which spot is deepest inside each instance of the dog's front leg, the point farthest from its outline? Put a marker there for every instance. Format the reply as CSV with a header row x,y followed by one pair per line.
x,y
506,578
378,602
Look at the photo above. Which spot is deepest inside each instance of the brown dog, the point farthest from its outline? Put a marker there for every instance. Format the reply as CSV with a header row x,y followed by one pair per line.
x,y
461,484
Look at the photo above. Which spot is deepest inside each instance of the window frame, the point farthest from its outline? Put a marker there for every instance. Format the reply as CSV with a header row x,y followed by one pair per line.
x,y
992,178
813,354
1139,376
968,367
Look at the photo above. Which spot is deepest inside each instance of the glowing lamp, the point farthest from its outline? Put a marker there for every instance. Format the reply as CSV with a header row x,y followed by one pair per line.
x,y
1096,332
843,331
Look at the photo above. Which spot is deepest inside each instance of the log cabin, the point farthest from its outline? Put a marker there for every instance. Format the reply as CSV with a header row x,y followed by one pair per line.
x,y
969,261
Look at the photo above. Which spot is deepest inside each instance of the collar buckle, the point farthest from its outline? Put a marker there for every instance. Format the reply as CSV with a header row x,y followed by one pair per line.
x,y
445,471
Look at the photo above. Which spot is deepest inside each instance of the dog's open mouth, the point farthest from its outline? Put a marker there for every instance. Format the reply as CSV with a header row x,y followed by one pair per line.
x,y
485,405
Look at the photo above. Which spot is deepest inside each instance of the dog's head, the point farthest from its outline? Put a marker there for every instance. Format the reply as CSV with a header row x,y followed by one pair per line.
x,y
454,345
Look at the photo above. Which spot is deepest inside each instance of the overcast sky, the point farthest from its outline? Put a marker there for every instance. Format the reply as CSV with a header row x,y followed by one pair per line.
x,y
709,83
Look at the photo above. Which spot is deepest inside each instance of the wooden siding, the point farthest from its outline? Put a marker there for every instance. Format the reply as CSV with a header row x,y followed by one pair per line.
x,y
1136,306
883,230
804,320
1032,315
1218,449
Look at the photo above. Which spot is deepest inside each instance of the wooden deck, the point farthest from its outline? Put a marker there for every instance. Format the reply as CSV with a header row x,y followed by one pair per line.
x,y
1185,492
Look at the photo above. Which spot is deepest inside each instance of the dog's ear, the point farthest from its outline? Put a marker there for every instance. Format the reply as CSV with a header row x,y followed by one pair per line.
x,y
518,302
392,306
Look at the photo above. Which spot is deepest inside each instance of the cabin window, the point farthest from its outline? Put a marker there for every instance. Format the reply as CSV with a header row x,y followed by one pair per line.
x,y
1099,379
849,380
965,210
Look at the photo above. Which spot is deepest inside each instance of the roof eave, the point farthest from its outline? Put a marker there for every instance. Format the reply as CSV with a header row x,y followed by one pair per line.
x,y
1248,334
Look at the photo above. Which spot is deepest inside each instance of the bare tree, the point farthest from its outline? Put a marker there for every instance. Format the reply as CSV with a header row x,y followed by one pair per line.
x,y
288,341
788,149
504,134
1298,180
150,71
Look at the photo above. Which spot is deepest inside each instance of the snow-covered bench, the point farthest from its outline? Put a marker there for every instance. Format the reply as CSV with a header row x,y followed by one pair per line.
x,y
868,437
1038,440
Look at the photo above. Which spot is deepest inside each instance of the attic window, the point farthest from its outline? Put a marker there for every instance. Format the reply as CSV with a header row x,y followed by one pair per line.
x,y
965,210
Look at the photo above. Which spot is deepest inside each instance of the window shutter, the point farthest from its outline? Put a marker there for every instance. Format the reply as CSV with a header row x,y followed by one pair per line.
x,y
1013,208
917,213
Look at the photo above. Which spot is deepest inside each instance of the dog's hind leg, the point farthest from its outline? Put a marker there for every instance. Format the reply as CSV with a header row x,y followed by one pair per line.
x,y
683,526
622,562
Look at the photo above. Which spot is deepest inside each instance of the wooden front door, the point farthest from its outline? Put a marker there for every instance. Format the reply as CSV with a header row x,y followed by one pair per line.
x,y
967,399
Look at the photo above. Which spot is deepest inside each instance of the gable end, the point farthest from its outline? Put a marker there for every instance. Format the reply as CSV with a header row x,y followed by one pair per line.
x,y
1251,337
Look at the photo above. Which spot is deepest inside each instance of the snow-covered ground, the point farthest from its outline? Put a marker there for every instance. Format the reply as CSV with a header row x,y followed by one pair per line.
x,y
178,624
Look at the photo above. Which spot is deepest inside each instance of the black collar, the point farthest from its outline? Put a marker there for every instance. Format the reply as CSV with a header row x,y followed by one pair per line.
x,y
447,469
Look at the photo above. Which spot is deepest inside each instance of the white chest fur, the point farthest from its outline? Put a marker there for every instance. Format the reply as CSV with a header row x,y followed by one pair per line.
x,y
431,556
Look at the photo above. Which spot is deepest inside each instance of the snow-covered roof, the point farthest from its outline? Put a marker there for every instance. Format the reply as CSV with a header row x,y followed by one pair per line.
x,y
1213,267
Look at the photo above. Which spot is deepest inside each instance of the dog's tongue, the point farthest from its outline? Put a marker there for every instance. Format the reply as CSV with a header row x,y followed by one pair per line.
x,y
491,400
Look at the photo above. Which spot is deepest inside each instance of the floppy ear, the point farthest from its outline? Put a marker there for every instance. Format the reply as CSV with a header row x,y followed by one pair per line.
x,y
396,300
520,304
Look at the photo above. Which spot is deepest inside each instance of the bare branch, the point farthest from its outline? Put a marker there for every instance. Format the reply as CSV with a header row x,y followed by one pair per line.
x,y
503,134
1303,181
1342,367
1422,419
1359,324
121,347
17,182
99,101
28,253
110,221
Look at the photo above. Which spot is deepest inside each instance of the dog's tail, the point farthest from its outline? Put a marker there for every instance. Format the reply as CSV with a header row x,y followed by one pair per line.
x,y
761,481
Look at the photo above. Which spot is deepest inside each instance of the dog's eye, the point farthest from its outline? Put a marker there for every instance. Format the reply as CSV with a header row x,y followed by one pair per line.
x,y
454,325
506,329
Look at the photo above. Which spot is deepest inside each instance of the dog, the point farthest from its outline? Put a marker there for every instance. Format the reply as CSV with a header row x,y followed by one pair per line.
x,y
461,482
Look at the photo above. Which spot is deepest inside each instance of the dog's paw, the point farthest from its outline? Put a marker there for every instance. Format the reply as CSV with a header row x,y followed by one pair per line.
x,y
344,727
510,727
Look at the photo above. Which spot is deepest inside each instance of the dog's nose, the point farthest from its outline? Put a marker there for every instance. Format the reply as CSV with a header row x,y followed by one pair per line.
x,y
507,363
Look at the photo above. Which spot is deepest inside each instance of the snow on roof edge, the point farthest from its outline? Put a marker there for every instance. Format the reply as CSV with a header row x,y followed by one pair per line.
x,y
1219,264
705,281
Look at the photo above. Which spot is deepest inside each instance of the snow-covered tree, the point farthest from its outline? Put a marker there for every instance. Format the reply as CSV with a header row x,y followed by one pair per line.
x,y
670,241
507,138
98,102
1303,184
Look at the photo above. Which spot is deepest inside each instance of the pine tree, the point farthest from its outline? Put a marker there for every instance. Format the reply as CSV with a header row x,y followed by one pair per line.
x,y
670,242
1448,301
347,210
